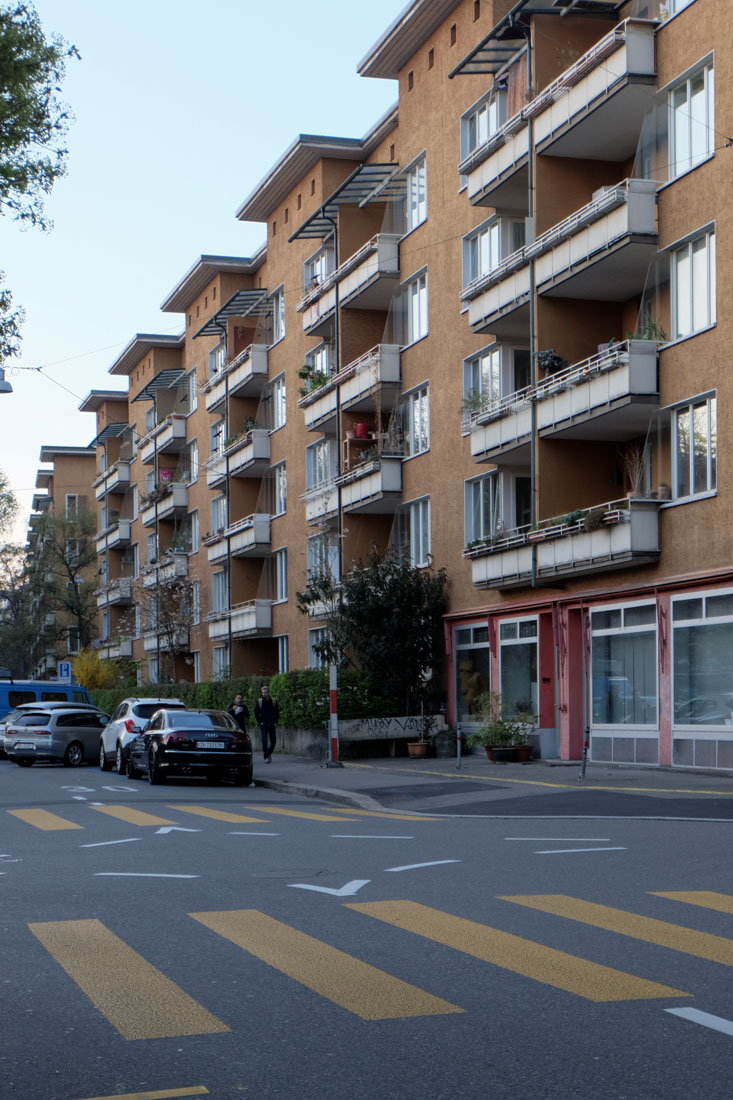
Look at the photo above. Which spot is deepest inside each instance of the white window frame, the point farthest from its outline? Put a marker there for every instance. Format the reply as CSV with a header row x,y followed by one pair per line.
x,y
72,636
694,285
219,512
710,428
283,653
483,507
520,639
72,505
318,267
135,502
278,315
220,590
320,463
419,528
491,242
281,574
153,670
220,662
196,654
190,392
623,629
217,435
314,636
691,122
416,409
280,501
414,307
322,557
487,115
279,403
195,603
698,729
217,358
416,198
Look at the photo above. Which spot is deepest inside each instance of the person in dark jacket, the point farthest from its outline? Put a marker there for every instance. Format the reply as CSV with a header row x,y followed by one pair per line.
x,y
267,713
239,712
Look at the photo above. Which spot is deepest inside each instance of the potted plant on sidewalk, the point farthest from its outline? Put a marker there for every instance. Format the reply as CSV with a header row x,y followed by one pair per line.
x,y
503,736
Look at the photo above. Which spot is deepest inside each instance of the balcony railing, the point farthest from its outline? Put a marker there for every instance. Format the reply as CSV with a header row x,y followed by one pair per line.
x,y
167,437
616,535
115,535
172,500
115,479
246,374
112,649
247,456
117,592
248,619
172,565
372,486
178,638
248,537
365,378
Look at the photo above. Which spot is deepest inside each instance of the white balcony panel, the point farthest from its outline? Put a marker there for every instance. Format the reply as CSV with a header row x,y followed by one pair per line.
x,y
115,480
115,537
247,619
501,434
168,437
376,373
116,592
369,282
153,641
318,315
320,408
175,502
248,537
374,487
114,650
494,172
498,300
632,541
171,566
254,458
321,503
244,376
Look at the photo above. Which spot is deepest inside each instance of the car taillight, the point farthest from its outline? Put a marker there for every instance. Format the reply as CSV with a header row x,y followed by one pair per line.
x,y
240,735
10,733
175,738
129,725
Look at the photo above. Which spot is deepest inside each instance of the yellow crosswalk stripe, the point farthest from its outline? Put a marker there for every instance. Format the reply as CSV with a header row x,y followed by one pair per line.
x,y
392,817
675,936
303,813
164,1094
355,985
42,819
706,899
131,816
220,815
139,1001
543,964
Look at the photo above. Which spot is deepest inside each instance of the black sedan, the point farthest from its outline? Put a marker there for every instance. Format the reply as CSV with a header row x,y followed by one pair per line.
x,y
191,743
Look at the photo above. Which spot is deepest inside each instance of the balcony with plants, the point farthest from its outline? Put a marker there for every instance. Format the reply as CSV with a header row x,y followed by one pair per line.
x,y
167,500
245,453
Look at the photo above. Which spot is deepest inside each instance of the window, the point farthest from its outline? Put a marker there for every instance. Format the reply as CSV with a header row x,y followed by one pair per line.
x,y
320,360
412,311
320,464
492,374
104,629
218,513
323,557
416,411
472,657
283,655
315,638
150,418
318,267
702,641
485,247
695,448
482,508
153,670
518,666
73,643
482,120
189,394
278,315
281,575
195,603
220,590
279,407
692,134
190,532
624,665
196,666
693,286
188,466
217,358
221,662
216,438
417,193
281,489
671,7
419,512
72,505
150,481
135,502
152,547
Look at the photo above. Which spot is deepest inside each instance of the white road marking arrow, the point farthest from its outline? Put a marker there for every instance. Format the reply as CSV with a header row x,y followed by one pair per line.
x,y
175,829
413,866
346,891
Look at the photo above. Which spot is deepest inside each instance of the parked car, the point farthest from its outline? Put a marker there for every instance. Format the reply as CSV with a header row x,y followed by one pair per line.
x,y
64,735
25,707
15,692
191,743
129,718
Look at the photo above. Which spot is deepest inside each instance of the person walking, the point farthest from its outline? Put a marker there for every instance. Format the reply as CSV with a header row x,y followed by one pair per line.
x,y
267,713
239,711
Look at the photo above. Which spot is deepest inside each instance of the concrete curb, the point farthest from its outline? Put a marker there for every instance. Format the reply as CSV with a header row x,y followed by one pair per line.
x,y
328,794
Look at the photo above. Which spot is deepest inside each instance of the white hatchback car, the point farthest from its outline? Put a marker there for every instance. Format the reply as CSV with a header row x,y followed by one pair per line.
x,y
126,722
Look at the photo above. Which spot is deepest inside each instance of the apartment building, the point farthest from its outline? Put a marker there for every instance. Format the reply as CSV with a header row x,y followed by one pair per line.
x,y
485,333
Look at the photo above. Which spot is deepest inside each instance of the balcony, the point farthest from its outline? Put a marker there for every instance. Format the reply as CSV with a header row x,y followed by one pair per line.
x,y
171,501
593,110
373,487
115,479
245,376
318,308
248,537
177,638
619,535
368,278
114,537
321,502
171,566
250,619
117,593
114,649
373,379
168,437
602,252
247,456
320,405
609,396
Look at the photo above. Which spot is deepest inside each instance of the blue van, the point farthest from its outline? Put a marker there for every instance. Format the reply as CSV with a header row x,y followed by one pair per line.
x,y
15,692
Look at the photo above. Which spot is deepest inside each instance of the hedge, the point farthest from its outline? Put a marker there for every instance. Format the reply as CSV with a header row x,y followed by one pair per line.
x,y
302,695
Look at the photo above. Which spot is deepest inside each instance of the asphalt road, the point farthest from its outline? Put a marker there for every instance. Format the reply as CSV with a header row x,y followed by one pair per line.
x,y
207,941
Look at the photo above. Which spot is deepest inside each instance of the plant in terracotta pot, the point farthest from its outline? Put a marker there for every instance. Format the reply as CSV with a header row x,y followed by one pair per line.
x,y
499,733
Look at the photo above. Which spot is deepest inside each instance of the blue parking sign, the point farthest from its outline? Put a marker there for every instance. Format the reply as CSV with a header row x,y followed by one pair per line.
x,y
64,671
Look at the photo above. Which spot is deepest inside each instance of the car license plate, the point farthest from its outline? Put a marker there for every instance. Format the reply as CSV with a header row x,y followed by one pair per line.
x,y
210,745
24,745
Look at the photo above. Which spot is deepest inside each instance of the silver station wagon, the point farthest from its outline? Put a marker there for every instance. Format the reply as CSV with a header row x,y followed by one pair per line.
x,y
65,735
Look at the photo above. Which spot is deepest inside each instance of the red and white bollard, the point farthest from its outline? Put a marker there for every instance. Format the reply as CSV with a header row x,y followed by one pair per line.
x,y
333,741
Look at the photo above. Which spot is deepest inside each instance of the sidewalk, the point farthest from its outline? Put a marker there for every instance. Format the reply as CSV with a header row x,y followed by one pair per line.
x,y
479,788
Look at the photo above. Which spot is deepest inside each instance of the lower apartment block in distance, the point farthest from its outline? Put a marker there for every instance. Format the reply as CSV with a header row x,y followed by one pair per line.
x,y
485,333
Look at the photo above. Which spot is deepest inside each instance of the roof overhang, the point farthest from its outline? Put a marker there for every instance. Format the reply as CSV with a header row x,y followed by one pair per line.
x,y
412,27
243,303
95,399
367,182
44,479
50,454
508,38
164,380
305,152
200,274
40,502
111,431
140,345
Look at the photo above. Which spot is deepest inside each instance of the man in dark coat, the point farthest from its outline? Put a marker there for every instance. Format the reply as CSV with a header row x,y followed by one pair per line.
x,y
267,713
239,712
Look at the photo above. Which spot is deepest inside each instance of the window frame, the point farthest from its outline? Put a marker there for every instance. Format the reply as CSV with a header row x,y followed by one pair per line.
x,y
409,297
416,419
278,395
278,315
687,246
495,97
280,569
711,457
416,192
420,536
683,112
624,631
280,489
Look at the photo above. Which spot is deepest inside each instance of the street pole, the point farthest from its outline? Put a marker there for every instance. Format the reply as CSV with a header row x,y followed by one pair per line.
x,y
333,742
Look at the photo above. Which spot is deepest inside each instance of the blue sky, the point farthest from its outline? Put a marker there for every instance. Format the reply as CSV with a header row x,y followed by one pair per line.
x,y
181,108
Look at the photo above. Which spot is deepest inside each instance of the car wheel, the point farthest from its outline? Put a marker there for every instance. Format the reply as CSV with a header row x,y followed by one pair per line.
x,y
74,755
24,763
155,776
130,770
103,761
120,759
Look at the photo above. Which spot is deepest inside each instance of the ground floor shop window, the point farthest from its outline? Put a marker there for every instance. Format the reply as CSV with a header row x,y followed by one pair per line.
x,y
471,656
624,665
702,639
518,666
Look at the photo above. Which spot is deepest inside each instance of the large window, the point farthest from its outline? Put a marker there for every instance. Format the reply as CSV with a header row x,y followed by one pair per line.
x,y
278,315
281,488
320,466
485,247
217,358
692,121
220,590
624,665
316,637
482,507
413,310
189,393
318,267
472,655
419,513
279,405
221,662
216,438
219,513
492,374
416,411
281,574
417,193
323,557
693,286
695,448
481,121
283,654
518,667
702,693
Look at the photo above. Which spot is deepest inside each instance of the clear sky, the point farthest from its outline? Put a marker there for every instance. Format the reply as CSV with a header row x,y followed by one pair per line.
x,y
181,108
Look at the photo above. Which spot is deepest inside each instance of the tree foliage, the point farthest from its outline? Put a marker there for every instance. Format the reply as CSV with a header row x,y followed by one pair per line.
x,y
18,630
8,501
65,571
92,673
385,616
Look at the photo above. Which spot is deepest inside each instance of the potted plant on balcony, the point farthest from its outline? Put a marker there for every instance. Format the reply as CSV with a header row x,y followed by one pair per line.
x,y
503,736
549,361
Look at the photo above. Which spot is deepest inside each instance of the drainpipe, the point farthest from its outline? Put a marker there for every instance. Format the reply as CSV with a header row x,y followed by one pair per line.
x,y
337,331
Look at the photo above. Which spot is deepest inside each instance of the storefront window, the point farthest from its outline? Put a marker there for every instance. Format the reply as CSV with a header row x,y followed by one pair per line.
x,y
518,664
702,667
472,654
624,666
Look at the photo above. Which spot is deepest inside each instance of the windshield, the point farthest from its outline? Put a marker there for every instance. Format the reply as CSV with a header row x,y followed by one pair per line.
x,y
190,721
38,719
